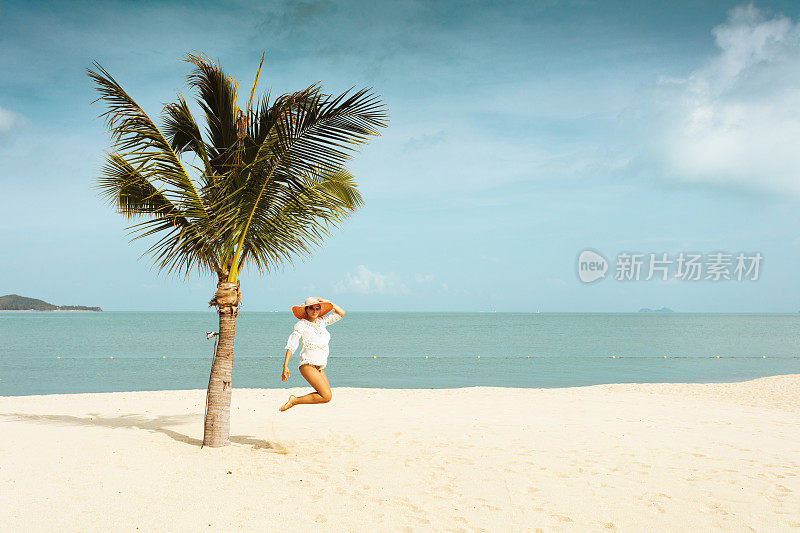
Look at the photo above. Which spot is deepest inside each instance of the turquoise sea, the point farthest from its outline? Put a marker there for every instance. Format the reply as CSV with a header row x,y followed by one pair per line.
x,y
169,350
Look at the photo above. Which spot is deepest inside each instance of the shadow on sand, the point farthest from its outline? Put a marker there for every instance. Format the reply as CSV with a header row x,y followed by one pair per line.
x,y
153,425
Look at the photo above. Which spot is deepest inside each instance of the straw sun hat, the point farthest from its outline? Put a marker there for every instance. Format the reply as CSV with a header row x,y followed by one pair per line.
x,y
300,310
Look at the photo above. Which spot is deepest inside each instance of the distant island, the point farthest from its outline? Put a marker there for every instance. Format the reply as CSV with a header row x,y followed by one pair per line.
x,y
662,310
15,302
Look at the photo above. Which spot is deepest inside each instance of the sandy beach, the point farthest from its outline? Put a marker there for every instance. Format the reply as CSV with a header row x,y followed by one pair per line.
x,y
625,457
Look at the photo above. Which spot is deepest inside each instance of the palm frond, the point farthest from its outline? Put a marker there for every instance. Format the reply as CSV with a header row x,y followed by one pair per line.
x,y
297,221
179,249
132,193
136,137
184,134
323,129
217,94
311,130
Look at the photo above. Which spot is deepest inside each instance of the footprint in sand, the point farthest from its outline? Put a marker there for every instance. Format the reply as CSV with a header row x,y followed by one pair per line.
x,y
716,508
320,518
780,492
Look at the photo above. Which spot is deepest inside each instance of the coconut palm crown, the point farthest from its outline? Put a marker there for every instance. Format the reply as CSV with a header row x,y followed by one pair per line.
x,y
260,185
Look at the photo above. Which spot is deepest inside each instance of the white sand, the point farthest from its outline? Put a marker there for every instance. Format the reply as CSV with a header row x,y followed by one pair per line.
x,y
627,457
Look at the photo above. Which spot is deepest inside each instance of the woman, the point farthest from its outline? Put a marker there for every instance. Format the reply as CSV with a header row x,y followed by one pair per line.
x,y
314,355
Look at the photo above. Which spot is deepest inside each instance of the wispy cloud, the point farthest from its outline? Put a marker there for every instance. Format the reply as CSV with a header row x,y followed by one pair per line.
x,y
444,288
364,281
736,120
10,121
426,140
293,19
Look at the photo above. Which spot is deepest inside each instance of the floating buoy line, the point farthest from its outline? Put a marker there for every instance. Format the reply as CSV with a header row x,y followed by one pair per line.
x,y
498,357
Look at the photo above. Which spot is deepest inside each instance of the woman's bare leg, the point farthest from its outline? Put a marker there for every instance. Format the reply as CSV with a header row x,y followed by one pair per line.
x,y
318,380
325,378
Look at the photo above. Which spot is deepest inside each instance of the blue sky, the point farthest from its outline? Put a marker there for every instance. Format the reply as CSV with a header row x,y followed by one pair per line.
x,y
521,133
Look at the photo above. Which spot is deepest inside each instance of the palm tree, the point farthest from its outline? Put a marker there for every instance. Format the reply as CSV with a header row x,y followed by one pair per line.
x,y
264,184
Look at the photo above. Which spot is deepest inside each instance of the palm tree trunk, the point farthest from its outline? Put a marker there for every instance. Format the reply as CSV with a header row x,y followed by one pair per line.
x,y
218,410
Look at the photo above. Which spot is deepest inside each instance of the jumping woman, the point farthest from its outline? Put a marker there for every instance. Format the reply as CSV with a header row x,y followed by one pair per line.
x,y
314,355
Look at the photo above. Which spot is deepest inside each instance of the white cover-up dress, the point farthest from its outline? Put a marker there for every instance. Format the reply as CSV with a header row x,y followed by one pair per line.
x,y
315,340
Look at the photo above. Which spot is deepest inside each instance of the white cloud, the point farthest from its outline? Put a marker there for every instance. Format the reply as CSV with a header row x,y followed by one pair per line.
x,y
364,281
10,121
423,278
444,288
736,119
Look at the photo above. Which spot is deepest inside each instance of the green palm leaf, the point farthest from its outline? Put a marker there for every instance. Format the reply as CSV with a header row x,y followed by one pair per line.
x,y
267,193
136,137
